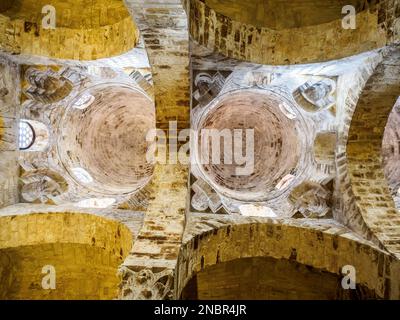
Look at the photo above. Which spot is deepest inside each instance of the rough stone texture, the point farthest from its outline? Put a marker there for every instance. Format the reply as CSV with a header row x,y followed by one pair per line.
x,y
84,249
370,188
158,265
344,209
131,219
134,59
313,43
324,245
391,152
8,133
269,279
83,32
163,25
67,145
279,15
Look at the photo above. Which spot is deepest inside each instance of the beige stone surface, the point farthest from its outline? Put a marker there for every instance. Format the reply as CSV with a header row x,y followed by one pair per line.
x,y
123,228
369,186
324,245
320,40
83,31
85,251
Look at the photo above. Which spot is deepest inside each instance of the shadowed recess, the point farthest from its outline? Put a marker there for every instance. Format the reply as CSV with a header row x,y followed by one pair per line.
x,y
269,279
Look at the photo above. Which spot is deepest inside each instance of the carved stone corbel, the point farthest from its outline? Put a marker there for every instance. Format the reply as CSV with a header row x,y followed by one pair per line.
x,y
314,96
208,87
146,284
310,199
42,185
205,197
46,86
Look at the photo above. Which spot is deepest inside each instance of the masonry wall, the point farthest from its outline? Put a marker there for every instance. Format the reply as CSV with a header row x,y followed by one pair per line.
x,y
324,245
9,97
369,185
83,32
84,250
268,279
314,43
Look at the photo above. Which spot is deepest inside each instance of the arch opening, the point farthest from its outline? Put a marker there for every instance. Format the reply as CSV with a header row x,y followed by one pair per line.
x,y
61,29
372,197
266,278
287,245
33,136
61,256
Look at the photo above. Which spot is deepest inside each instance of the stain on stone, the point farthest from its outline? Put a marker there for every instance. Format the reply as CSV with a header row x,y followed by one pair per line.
x,y
293,254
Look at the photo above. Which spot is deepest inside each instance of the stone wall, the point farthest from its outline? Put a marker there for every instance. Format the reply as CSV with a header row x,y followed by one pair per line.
x,y
166,246
85,251
163,26
326,245
9,96
368,183
82,31
131,219
269,279
344,201
313,43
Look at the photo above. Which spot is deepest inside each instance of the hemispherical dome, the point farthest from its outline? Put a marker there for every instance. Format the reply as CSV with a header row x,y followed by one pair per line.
x,y
279,144
103,138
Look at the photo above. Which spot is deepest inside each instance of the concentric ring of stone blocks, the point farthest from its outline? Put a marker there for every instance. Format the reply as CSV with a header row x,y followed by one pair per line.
x,y
103,146
279,144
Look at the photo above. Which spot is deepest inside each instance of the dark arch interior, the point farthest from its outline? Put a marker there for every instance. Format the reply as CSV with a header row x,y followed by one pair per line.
x,y
5,5
269,279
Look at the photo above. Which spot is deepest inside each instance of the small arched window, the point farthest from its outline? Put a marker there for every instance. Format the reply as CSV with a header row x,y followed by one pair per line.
x,y
26,135
33,136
